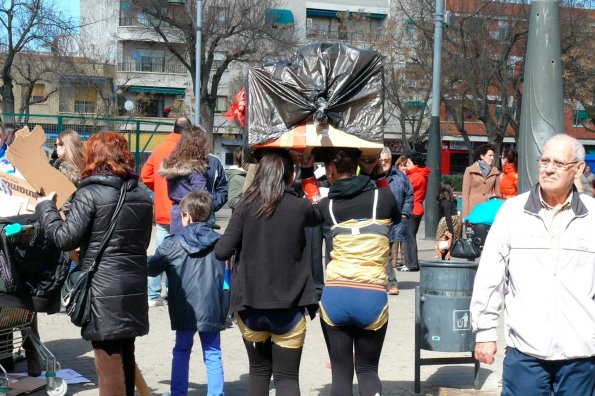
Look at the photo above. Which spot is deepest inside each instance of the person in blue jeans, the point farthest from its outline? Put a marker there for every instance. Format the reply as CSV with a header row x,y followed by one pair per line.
x,y
197,299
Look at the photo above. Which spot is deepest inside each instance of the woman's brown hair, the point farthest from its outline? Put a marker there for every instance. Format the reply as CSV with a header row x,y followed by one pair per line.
x,y
193,147
73,148
106,153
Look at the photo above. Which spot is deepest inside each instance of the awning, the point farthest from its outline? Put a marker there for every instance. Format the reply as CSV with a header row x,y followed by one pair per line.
x,y
157,90
82,80
312,12
237,142
415,103
280,17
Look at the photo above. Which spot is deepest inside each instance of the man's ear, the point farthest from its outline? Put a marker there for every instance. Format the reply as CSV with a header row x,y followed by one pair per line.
x,y
580,168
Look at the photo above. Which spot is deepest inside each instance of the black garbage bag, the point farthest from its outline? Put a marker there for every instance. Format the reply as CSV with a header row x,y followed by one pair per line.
x,y
325,83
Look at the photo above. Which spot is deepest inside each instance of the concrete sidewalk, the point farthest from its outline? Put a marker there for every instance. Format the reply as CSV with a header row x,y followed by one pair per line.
x,y
153,352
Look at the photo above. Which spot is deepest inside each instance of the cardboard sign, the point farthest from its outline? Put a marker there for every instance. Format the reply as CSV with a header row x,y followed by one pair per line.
x,y
26,153
22,192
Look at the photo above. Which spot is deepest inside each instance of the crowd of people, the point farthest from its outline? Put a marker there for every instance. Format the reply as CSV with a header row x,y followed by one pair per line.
x,y
368,213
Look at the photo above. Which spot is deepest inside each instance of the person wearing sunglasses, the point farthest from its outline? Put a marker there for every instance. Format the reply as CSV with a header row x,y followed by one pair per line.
x,y
538,266
69,149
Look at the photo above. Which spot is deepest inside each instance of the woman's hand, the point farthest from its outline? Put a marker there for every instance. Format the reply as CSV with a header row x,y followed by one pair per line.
x,y
50,197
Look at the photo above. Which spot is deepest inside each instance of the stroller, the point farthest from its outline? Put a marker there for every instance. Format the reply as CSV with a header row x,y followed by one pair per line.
x,y
477,225
31,270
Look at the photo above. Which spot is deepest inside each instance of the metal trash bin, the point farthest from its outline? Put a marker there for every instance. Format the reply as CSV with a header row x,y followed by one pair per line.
x,y
446,288
442,316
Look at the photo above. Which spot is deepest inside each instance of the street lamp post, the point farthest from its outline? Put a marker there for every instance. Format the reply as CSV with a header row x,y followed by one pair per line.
x,y
434,139
197,55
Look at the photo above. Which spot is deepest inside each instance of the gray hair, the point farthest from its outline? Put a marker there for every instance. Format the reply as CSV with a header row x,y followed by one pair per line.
x,y
386,150
578,148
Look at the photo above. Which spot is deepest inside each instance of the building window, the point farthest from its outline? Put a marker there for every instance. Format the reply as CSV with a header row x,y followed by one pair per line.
x,y
85,98
219,15
37,93
218,59
84,107
221,105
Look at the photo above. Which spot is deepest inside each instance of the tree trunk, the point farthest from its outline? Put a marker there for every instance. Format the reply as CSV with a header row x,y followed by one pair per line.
x,y
7,99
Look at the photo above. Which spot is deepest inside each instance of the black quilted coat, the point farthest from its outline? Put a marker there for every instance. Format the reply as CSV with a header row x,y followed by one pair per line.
x,y
119,286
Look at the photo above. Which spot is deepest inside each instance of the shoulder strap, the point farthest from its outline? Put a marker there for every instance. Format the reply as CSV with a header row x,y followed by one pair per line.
x,y
110,229
330,209
375,205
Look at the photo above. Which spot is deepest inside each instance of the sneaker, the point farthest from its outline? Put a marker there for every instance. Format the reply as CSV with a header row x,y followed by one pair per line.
x,y
158,302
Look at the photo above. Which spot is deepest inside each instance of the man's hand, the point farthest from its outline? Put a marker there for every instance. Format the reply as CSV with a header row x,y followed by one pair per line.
x,y
485,351
307,161
370,167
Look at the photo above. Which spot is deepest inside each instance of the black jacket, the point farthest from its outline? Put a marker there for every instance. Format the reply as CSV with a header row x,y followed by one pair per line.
x,y
119,286
273,271
196,299
354,199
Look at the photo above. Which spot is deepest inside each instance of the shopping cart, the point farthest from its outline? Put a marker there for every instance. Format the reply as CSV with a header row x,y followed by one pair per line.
x,y
15,322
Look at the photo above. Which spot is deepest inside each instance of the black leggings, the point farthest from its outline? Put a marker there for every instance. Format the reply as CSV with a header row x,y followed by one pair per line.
x,y
341,342
267,358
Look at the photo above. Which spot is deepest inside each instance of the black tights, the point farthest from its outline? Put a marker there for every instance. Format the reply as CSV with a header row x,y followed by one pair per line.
x,y
341,342
266,359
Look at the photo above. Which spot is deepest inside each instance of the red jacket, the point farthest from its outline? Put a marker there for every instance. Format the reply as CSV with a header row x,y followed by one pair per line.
x,y
156,183
419,180
509,181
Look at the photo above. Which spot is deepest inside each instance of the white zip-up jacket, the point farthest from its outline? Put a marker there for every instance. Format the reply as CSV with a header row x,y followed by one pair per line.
x,y
549,304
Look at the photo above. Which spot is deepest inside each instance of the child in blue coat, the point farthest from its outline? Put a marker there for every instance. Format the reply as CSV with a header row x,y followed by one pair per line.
x,y
197,299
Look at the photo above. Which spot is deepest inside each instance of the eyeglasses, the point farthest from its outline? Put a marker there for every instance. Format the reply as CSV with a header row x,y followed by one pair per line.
x,y
384,161
59,144
558,165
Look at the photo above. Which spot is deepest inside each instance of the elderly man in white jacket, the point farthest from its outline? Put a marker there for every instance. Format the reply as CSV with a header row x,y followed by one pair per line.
x,y
538,264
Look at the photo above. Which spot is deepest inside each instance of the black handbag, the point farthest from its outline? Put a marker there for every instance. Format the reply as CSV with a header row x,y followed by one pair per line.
x,y
76,292
464,248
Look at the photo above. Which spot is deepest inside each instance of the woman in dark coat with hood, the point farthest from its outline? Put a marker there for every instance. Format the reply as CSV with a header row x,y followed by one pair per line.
x,y
185,170
119,310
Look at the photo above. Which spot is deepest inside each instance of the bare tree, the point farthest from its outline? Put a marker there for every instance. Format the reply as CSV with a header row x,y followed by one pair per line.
x,y
27,25
408,82
232,31
484,55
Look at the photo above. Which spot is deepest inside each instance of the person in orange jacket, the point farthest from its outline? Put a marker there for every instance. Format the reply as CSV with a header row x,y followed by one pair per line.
x,y
156,183
418,176
510,177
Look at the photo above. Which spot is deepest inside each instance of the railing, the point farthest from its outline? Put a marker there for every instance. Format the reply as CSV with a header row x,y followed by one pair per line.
x,y
142,135
153,67
323,34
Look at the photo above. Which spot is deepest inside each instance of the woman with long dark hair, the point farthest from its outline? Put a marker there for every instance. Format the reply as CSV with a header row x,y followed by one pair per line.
x,y
271,284
185,171
119,310
354,304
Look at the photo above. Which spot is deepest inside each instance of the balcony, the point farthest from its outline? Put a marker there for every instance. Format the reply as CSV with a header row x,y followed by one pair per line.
x,y
344,36
154,65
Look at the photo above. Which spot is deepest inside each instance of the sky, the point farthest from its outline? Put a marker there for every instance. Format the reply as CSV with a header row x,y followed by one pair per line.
x,y
70,7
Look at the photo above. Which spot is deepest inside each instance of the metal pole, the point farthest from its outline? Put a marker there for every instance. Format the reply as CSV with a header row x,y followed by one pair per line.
x,y
197,61
434,139
542,111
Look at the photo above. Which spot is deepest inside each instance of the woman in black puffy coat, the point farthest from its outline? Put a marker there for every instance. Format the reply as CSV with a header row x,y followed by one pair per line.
x,y
119,310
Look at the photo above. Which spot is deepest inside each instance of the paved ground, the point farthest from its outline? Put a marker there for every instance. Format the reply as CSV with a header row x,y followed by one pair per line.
x,y
153,353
